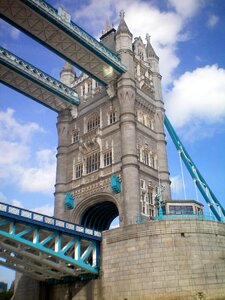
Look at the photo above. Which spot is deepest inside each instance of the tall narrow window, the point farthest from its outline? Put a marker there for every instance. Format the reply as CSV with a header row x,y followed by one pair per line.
x,y
108,158
139,153
89,87
112,117
79,170
82,90
145,158
93,162
93,122
75,136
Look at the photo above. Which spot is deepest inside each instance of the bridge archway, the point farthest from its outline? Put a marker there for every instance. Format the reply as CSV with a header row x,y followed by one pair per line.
x,y
97,212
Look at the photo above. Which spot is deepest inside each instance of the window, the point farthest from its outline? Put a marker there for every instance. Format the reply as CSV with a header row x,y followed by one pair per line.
x,y
139,153
181,209
151,212
112,117
150,197
75,136
89,87
142,184
79,170
93,122
93,162
152,161
82,91
145,158
108,158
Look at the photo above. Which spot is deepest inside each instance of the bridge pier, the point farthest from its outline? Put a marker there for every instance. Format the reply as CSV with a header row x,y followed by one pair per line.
x,y
159,260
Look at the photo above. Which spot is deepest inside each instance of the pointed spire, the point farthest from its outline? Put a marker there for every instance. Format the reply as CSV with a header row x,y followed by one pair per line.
x,y
150,52
123,28
107,28
67,75
68,67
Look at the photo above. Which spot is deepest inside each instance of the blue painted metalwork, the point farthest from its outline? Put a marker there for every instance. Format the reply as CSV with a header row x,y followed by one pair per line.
x,y
25,215
109,56
215,206
63,25
25,69
140,219
193,216
61,250
69,201
158,198
115,184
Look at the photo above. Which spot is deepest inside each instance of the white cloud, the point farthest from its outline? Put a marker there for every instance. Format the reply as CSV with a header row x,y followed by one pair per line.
x,y
45,209
17,203
165,27
186,8
14,33
11,129
197,100
212,21
2,197
40,178
176,185
33,172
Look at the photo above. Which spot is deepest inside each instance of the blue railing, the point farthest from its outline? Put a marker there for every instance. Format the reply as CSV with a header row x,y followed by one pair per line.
x,y
107,54
142,219
47,221
55,85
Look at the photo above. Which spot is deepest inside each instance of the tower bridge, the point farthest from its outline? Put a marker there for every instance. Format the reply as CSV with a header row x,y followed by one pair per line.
x,y
111,161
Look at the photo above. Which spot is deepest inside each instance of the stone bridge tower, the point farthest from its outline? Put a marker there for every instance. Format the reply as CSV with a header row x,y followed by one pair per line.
x,y
115,131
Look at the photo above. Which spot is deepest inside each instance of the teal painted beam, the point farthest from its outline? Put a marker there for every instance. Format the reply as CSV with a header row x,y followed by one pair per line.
x,y
45,81
84,51
194,172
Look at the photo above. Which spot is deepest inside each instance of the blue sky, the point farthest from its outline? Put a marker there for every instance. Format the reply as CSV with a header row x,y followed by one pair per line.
x,y
189,38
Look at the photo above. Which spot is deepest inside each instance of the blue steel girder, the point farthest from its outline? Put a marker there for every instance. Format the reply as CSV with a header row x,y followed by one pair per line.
x,y
25,78
54,30
214,204
44,247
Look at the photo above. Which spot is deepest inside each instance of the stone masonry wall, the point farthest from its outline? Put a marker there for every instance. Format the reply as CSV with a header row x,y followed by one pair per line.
x,y
160,260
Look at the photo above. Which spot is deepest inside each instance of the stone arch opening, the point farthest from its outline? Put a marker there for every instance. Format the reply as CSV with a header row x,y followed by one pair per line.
x,y
100,215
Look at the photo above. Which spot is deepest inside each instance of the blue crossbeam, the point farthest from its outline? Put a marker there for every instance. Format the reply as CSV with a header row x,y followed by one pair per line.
x,y
62,248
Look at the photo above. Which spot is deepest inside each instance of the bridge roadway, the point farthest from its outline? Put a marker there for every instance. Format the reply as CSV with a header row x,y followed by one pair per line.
x,y
44,247
56,31
34,83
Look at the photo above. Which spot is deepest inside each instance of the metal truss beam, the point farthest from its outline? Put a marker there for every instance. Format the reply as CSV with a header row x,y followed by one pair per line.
x,y
43,247
214,204
54,30
25,78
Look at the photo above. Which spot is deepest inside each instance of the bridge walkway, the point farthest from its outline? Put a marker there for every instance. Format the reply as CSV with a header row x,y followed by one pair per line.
x,y
55,30
44,247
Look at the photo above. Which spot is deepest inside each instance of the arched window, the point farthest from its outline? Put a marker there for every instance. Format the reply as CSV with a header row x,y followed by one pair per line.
x,y
93,122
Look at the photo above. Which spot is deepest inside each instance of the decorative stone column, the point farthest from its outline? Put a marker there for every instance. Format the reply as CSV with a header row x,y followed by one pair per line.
x,y
130,167
63,125
161,142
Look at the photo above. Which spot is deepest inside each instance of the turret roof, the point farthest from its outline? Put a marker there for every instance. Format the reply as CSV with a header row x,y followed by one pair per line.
x,y
123,28
150,52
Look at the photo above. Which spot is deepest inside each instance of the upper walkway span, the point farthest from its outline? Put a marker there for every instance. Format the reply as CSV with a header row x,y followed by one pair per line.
x,y
34,83
56,31
44,247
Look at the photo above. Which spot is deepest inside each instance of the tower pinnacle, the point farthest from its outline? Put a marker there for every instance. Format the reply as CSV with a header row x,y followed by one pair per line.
x,y
150,52
123,28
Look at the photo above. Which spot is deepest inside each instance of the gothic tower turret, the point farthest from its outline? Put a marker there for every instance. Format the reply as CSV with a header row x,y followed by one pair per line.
x,y
67,75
